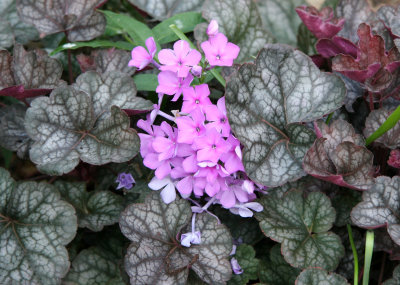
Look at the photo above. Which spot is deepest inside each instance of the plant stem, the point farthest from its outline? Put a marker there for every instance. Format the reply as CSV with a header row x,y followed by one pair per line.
x,y
70,75
329,118
182,36
369,246
355,255
386,126
382,268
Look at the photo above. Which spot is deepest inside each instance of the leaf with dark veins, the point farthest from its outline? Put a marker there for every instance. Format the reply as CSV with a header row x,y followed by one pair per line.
x,y
156,255
66,128
95,209
266,103
338,156
315,276
6,38
380,207
6,74
390,18
76,17
113,60
396,277
12,130
375,119
35,226
241,23
302,225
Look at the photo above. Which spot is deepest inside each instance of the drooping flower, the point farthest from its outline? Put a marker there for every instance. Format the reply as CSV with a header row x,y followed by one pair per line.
x,y
190,238
220,52
179,60
235,266
197,70
169,83
141,57
245,209
168,193
125,180
195,97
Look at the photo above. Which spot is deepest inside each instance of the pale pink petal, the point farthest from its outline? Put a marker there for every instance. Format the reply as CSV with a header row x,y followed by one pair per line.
x,y
168,194
181,48
151,46
168,57
193,58
228,199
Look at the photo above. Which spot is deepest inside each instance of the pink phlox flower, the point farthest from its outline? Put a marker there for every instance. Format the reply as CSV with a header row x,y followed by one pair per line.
x,y
196,97
248,186
233,158
190,127
168,193
125,180
235,266
234,192
179,60
217,117
146,140
245,209
212,29
211,146
141,57
214,178
190,184
166,145
169,83
220,52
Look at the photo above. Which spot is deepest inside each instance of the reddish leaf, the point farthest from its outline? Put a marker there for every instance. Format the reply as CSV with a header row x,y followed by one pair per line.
x,y
337,45
373,65
394,158
19,92
322,23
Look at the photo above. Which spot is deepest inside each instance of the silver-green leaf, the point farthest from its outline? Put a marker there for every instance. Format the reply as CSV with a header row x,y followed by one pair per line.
x,y
302,225
156,255
35,226
266,103
66,128
95,209
315,276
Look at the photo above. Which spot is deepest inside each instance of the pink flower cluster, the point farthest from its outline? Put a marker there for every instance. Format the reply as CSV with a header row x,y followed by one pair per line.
x,y
198,154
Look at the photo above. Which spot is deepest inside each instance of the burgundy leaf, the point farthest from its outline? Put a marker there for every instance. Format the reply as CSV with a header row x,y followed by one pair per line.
x,y
19,92
86,62
338,156
337,45
322,23
394,158
373,65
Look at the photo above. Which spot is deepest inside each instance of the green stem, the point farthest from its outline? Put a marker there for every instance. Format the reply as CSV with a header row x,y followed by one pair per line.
x,y
386,126
329,118
128,39
182,36
355,255
369,246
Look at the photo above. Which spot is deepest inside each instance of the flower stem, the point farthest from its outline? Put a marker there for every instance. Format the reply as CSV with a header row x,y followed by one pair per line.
x,y
165,115
369,246
355,256
182,36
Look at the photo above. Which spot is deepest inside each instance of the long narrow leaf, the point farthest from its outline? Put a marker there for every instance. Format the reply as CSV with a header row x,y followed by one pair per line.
x,y
386,126
93,44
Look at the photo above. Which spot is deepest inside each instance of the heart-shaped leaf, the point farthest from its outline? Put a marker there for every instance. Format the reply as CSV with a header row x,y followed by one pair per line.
x,y
35,226
380,207
396,277
241,23
314,276
69,126
280,18
157,257
266,103
354,12
301,224
76,17
246,257
338,156
95,209
375,119
390,17
167,8
277,271
12,130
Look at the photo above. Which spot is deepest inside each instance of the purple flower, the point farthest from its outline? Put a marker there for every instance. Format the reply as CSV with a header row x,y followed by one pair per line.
x,y
197,70
233,159
232,194
235,266
211,146
191,238
179,60
168,194
169,83
141,57
212,29
190,127
218,118
125,180
219,52
244,210
196,97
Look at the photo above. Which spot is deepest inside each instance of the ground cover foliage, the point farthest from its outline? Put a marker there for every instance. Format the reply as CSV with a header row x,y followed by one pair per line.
x,y
199,142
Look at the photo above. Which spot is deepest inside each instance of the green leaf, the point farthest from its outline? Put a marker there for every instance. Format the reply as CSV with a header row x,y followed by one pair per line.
x,y
246,257
380,207
281,19
241,23
35,226
95,209
277,271
396,277
344,201
382,126
146,82
305,39
166,8
316,276
301,224
12,130
266,103
137,31
69,126
156,256
93,44
6,38
186,22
